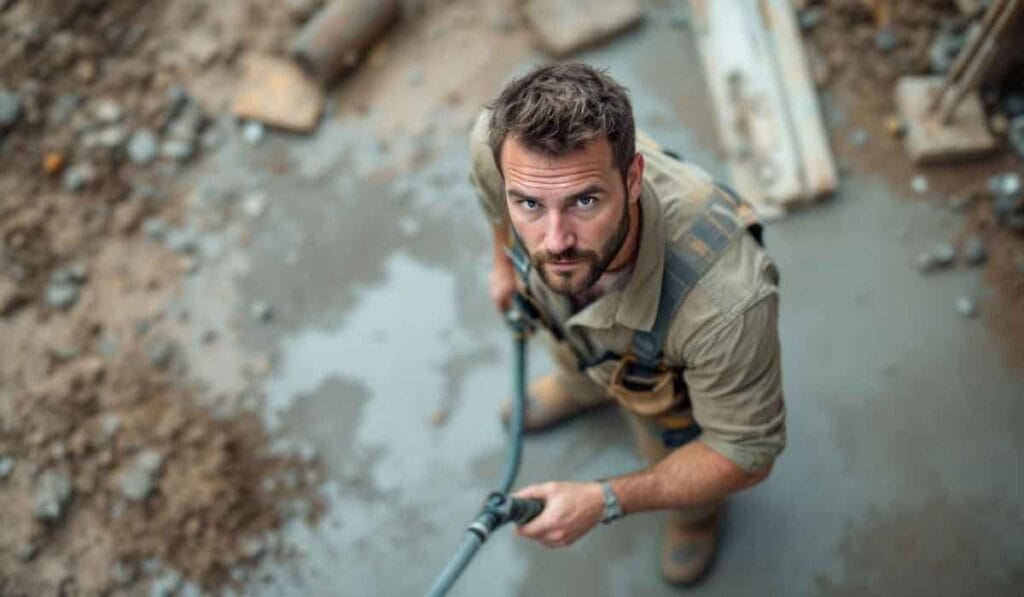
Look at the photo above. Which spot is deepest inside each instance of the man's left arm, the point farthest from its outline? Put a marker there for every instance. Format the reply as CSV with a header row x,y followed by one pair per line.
x,y
736,390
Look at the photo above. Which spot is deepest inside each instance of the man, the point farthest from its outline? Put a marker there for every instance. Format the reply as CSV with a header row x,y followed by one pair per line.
x,y
655,295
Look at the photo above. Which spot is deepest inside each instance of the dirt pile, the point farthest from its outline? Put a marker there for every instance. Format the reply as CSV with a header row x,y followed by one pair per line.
x,y
858,49
112,470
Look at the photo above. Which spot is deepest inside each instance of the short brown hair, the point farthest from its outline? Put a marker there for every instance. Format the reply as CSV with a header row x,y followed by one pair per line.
x,y
557,109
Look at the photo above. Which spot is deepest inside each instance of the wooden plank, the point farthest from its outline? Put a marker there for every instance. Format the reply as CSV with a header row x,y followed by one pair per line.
x,y
817,167
748,104
565,26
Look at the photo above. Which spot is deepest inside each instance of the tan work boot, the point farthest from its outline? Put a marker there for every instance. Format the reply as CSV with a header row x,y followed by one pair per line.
x,y
689,548
547,404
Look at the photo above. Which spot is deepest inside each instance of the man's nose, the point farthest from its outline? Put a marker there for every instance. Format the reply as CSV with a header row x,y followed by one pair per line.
x,y
558,237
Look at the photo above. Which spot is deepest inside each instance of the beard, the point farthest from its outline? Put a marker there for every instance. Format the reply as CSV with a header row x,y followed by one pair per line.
x,y
595,262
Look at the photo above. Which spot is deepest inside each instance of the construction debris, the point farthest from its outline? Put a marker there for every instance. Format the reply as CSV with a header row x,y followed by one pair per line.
x,y
767,111
336,39
566,26
278,93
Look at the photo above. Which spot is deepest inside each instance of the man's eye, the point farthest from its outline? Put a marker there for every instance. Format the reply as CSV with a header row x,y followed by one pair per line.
x,y
528,204
586,201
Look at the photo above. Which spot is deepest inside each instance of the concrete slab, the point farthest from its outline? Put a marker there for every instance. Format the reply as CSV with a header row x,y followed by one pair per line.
x,y
902,471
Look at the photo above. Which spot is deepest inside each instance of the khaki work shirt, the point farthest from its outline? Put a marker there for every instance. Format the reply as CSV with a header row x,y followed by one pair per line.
x,y
724,337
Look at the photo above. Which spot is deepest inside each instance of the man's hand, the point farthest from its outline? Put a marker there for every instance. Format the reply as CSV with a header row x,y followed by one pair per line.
x,y
503,283
570,510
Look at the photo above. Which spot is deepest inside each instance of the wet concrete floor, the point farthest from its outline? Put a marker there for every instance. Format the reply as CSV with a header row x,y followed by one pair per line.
x,y
906,429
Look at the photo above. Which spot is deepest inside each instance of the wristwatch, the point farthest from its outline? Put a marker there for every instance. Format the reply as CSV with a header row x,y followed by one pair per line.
x,y
612,508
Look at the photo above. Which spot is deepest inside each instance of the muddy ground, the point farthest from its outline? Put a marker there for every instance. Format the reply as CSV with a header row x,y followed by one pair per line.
x,y
267,365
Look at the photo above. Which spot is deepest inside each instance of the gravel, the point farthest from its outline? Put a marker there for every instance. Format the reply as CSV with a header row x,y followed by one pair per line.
x,y
52,494
966,306
10,108
61,295
143,147
6,466
139,481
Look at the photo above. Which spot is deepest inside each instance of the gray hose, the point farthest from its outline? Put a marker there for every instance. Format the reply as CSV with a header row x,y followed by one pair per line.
x,y
487,521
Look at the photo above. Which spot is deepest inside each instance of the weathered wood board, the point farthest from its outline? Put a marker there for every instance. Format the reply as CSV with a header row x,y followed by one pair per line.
x,y
565,26
766,107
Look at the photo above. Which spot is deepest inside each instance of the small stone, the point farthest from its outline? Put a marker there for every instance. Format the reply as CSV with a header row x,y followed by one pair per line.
x,y
26,552
111,137
811,17
1007,185
108,344
108,111
10,108
261,311
143,147
53,162
138,482
154,228
181,240
6,466
64,354
160,353
895,126
886,39
122,573
974,251
919,184
63,107
943,50
1012,104
252,132
253,548
254,204
52,493
966,306
79,176
61,295
167,584
1015,135
944,254
177,150
110,424
859,138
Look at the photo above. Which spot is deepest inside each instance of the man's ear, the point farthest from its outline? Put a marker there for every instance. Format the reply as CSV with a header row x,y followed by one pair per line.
x,y
635,177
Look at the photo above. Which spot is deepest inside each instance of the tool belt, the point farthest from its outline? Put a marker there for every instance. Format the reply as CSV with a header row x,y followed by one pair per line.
x,y
642,382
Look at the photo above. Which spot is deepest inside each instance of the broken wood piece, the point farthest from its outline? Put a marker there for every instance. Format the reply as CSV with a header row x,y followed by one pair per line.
x,y
277,92
928,140
566,26
765,104
335,40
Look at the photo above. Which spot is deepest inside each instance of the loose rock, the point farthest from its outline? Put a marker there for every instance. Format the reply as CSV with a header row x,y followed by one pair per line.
x,y
261,311
137,483
886,39
919,184
61,295
143,147
940,256
167,584
10,109
253,132
177,150
975,252
26,552
160,352
811,17
6,466
154,229
108,111
79,176
966,306
52,494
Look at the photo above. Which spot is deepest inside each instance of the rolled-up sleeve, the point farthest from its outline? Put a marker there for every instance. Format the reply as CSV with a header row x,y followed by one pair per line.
x,y
734,378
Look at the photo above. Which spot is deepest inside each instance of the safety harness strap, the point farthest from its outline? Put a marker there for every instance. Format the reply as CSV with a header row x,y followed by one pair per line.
x,y
685,263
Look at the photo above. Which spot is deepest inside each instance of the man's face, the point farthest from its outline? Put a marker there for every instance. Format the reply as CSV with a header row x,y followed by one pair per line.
x,y
571,211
